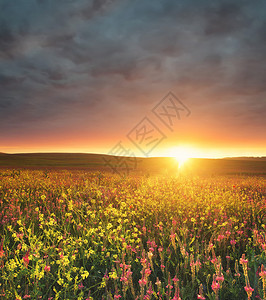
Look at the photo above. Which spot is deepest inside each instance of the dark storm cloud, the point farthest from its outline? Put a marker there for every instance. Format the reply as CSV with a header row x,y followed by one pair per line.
x,y
224,18
7,41
67,61
6,81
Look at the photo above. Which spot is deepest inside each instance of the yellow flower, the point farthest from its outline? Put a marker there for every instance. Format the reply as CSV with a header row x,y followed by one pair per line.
x,y
113,275
60,281
85,274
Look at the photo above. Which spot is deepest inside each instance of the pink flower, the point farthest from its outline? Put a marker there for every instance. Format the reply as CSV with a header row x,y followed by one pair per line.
x,y
214,260
249,290
220,237
147,272
142,282
263,272
2,252
210,245
26,258
220,278
150,291
123,278
169,286
175,279
47,268
215,286
172,236
243,261
81,286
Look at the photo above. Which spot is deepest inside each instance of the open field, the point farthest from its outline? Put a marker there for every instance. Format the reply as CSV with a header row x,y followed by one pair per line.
x,y
243,166
79,234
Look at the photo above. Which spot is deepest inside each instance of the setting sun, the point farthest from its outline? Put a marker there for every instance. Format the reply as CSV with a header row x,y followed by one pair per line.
x,y
181,154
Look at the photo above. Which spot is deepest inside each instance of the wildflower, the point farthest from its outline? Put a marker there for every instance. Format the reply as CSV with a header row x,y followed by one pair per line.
x,y
220,237
172,237
214,260
150,291
210,246
113,275
47,268
2,252
150,254
26,258
142,282
158,282
243,261
60,281
80,286
169,286
263,272
220,278
123,278
249,290
215,286
198,264
147,272
175,279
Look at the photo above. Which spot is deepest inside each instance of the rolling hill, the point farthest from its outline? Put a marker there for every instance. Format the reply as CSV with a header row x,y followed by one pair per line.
x,y
245,165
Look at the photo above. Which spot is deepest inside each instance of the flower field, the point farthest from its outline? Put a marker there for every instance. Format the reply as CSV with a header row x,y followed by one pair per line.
x,y
91,235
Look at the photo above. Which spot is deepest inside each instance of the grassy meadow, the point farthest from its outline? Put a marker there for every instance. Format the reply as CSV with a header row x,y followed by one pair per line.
x,y
87,234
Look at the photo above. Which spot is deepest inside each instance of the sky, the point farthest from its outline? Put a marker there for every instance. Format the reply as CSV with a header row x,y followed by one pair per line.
x,y
133,76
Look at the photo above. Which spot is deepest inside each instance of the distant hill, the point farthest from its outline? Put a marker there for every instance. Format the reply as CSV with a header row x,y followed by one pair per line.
x,y
250,166
51,160
238,165
260,158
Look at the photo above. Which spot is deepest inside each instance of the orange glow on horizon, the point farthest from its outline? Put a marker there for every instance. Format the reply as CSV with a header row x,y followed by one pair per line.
x,y
100,145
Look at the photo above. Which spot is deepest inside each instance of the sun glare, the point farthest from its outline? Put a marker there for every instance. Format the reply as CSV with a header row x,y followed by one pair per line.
x,y
181,155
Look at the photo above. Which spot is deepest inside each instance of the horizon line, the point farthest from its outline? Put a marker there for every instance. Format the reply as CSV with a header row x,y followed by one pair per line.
x,y
97,153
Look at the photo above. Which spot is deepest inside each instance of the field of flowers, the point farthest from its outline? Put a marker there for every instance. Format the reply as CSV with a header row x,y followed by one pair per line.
x,y
91,235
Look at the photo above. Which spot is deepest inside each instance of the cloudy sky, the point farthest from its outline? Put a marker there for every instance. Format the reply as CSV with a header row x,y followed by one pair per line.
x,y
83,75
